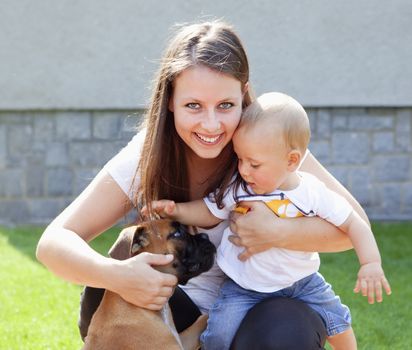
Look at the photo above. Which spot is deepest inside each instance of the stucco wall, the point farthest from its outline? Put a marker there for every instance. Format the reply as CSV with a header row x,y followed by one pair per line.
x,y
100,54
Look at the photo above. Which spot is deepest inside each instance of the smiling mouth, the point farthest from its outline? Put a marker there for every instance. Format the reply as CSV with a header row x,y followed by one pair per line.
x,y
210,140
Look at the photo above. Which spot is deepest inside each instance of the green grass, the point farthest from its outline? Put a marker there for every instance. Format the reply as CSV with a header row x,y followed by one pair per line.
x,y
39,311
381,325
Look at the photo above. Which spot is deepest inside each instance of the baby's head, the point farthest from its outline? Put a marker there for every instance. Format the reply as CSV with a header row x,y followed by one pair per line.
x,y
270,141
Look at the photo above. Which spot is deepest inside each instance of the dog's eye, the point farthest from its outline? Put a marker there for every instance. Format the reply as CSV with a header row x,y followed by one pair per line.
x,y
176,234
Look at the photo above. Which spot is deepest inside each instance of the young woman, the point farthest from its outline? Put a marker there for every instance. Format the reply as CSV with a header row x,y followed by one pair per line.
x,y
183,152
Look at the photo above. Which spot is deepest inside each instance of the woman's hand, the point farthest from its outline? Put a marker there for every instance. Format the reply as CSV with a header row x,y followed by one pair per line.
x,y
257,230
140,284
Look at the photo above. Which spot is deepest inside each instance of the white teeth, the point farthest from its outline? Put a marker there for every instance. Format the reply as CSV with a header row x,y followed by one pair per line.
x,y
208,139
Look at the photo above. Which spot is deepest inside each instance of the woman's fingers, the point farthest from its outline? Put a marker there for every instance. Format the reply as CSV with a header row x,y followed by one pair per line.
x,y
157,306
246,254
165,292
141,284
165,279
155,259
236,240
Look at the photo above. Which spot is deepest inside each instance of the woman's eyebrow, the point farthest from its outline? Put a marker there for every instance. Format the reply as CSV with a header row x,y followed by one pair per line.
x,y
229,98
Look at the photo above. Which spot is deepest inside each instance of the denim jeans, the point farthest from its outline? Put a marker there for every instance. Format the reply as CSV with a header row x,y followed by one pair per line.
x,y
234,302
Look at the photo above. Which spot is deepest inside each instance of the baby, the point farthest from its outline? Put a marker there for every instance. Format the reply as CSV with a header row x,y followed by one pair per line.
x,y
270,142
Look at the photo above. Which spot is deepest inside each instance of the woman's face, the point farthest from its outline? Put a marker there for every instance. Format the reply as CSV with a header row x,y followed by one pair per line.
x,y
207,106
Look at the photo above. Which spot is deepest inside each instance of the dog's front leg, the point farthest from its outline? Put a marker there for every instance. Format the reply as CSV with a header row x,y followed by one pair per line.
x,y
190,337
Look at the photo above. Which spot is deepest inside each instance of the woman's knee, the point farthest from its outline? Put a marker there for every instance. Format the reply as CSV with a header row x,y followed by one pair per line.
x,y
184,310
280,323
89,302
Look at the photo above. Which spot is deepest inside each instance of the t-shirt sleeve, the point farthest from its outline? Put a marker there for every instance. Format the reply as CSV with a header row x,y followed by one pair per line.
x,y
122,167
328,204
228,202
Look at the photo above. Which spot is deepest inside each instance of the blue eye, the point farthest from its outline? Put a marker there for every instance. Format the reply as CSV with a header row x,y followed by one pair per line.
x,y
226,105
193,105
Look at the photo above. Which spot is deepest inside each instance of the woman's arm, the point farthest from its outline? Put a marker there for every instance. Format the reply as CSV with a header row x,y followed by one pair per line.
x,y
64,250
312,165
260,229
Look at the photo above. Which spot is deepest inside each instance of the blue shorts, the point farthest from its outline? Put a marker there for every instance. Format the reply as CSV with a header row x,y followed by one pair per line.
x,y
234,302
314,291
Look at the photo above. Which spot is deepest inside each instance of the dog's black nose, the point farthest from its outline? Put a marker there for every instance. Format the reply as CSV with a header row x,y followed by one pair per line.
x,y
203,235
194,267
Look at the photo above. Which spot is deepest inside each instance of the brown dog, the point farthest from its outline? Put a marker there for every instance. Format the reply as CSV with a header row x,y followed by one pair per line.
x,y
118,324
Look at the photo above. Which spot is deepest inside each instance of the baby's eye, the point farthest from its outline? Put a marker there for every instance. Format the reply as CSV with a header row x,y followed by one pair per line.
x,y
255,166
193,105
226,105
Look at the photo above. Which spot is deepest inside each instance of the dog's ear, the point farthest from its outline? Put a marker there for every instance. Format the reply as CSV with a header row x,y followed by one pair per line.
x,y
140,240
120,250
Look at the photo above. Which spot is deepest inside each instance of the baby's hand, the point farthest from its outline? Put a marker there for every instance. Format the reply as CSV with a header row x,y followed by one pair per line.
x,y
164,208
371,279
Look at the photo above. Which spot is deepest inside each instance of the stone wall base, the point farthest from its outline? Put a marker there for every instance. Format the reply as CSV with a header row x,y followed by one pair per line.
x,y
48,157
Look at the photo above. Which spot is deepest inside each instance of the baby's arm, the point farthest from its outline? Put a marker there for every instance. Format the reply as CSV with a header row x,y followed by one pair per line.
x,y
371,277
194,213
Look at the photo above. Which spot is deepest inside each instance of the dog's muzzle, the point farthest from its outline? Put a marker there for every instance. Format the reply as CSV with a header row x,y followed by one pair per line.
x,y
195,257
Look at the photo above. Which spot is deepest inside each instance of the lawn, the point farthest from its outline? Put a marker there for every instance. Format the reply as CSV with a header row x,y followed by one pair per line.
x,y
39,311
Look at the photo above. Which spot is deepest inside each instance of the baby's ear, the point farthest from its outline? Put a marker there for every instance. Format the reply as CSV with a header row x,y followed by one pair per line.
x,y
294,157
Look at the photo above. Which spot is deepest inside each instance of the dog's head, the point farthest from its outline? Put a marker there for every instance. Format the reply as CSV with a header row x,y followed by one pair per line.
x,y
193,254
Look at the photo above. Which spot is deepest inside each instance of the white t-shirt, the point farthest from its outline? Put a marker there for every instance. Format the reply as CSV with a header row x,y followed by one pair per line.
x,y
277,268
203,289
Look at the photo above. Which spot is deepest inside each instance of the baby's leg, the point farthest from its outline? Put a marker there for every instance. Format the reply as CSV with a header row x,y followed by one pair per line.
x,y
226,315
318,294
343,341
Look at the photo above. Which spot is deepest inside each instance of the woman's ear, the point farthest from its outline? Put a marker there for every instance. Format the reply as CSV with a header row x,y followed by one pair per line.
x,y
294,157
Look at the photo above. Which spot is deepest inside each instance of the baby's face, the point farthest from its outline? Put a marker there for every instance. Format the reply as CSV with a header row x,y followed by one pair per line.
x,y
262,154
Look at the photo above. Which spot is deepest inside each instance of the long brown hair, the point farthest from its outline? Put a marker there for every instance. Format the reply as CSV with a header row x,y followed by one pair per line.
x,y
162,167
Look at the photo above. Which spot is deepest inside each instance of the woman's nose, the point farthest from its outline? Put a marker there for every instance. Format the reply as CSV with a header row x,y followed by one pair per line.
x,y
211,121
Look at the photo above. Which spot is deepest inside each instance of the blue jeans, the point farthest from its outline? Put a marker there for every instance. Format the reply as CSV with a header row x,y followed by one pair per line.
x,y
234,302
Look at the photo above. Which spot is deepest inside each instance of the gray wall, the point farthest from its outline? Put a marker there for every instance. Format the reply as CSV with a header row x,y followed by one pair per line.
x,y
75,76
47,158
100,54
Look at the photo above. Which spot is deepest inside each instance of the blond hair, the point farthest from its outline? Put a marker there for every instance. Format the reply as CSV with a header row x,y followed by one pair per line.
x,y
283,113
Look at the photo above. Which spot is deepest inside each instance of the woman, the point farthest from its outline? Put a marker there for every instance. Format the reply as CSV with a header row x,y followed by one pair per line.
x,y
183,152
